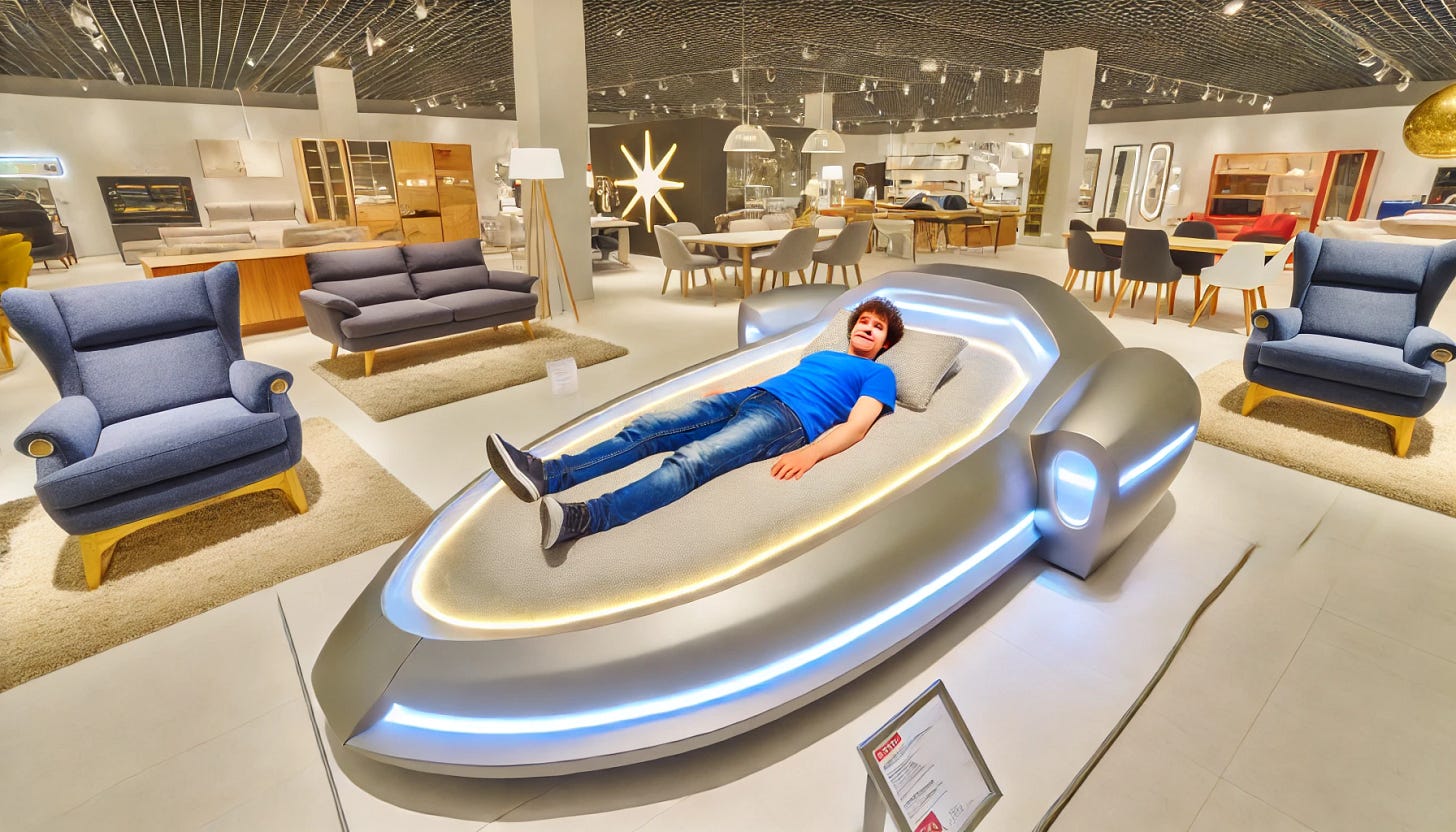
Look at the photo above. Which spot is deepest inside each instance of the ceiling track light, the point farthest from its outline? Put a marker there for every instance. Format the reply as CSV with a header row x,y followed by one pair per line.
x,y
1104,75
1268,102
1233,7
1152,83
251,61
432,102
1106,104
1005,76
1381,73
1207,92
809,53
1253,99
929,65
976,76
737,79
662,85
622,92
770,74
863,85
1218,96
418,108
1366,58
422,11
1018,76
905,88
1403,84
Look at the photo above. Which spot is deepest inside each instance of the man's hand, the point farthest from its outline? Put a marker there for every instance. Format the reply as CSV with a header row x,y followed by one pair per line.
x,y
716,391
794,464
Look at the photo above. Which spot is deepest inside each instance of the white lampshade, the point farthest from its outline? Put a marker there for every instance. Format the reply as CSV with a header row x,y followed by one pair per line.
x,y
832,173
824,141
748,138
536,163
1007,179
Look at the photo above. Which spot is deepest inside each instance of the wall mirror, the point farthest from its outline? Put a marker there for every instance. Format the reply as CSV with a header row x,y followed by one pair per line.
x,y
1155,180
1091,164
1121,179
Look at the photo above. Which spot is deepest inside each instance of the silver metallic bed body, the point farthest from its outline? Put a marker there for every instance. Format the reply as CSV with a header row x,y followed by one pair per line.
x,y
1068,468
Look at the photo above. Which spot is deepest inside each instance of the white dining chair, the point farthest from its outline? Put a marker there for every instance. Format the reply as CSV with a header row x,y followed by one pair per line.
x,y
1242,268
893,230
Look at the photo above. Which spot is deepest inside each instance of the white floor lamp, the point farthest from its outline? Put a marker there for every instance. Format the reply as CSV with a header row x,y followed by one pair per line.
x,y
534,165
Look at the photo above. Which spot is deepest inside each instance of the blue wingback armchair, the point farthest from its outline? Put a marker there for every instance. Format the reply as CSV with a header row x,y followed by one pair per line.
x,y
1357,334
159,411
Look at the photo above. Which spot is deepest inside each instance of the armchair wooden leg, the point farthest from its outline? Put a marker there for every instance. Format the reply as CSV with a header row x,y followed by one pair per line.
x,y
1404,428
1255,396
529,332
5,347
333,351
666,276
858,278
293,491
369,362
814,271
802,281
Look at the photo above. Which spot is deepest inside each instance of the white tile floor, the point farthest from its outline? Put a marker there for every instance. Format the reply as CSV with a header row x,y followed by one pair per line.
x,y
1317,694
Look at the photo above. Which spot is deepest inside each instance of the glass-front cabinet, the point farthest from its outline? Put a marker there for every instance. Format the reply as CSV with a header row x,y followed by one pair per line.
x,y
1345,188
324,178
372,174
1036,186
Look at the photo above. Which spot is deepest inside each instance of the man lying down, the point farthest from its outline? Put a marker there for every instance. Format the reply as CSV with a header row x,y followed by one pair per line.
x,y
823,406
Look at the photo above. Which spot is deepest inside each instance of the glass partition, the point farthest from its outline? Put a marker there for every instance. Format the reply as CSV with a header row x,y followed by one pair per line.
x,y
1087,190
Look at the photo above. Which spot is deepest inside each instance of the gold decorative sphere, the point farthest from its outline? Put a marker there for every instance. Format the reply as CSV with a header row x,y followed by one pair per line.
x,y
1430,129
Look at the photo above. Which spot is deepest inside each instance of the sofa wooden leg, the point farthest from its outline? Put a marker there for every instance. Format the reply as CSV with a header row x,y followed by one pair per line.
x,y
369,362
333,351
529,332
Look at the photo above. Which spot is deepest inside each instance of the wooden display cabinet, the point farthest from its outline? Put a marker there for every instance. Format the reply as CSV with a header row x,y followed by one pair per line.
x,y
372,177
1311,186
455,180
323,177
1036,187
415,188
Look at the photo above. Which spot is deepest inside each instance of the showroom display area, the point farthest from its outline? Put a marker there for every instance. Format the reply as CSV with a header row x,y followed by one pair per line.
x,y
442,666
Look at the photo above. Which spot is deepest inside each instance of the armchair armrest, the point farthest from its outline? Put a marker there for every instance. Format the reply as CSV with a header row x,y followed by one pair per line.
x,y
1424,344
257,386
511,281
1277,324
327,300
68,429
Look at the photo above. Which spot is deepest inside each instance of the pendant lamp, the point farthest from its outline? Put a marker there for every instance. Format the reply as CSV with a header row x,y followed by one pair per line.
x,y
823,140
1430,129
746,137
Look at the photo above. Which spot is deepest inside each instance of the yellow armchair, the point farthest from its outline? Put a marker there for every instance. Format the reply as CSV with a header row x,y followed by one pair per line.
x,y
15,266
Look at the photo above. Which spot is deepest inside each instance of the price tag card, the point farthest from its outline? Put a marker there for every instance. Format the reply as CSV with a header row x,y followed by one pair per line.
x,y
927,768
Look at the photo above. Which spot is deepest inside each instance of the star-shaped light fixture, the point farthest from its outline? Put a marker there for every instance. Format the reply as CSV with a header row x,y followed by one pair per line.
x,y
648,182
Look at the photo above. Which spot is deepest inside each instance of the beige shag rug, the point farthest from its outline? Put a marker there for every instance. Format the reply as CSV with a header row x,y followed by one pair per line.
x,y
1333,444
420,376
190,564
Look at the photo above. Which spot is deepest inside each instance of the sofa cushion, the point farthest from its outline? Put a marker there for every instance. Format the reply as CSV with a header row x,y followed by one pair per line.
x,y
365,276
1362,314
228,212
160,446
444,268
483,303
1363,364
1372,265
394,316
281,210
132,379
115,312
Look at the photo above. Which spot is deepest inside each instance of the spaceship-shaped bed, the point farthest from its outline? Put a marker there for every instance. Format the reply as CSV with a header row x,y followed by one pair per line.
x,y
475,653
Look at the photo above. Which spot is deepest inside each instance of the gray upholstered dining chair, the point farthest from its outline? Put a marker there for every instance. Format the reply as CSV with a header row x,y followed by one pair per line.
x,y
1085,257
677,258
794,253
844,251
159,414
826,222
1146,259
1111,224
1192,263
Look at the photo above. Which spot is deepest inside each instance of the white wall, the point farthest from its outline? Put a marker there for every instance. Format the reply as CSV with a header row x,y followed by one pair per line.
x,y
1401,175
109,137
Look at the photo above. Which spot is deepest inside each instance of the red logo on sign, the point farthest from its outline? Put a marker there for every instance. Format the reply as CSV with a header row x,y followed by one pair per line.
x,y
930,824
884,751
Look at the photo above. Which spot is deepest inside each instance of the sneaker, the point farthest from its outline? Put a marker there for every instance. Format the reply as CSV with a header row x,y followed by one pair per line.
x,y
522,473
561,522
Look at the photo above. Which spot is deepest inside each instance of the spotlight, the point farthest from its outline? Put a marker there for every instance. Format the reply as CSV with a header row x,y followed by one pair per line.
x,y
98,43
770,74
432,102
932,100
1403,84
905,88
410,49
662,85
928,65
875,83
942,77
1018,76
646,96
82,18
250,61
622,91
1233,7
976,76
459,105
1382,72
1253,99
418,108
631,115
734,75
1177,88
684,46
1104,75
85,87
1152,84
421,10
809,54
1241,98
619,32
500,106
869,98
863,85
1268,102
1366,58
1005,76
1207,92
118,73
1106,104
1218,96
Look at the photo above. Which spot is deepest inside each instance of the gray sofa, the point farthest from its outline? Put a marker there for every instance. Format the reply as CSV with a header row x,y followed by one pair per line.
x,y
368,299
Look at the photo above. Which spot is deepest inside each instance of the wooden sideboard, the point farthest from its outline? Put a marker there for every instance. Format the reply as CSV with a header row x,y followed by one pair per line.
x,y
269,279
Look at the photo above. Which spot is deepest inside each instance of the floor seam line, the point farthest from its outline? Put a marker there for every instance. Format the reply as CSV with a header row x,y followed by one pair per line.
x,y
1265,704
312,717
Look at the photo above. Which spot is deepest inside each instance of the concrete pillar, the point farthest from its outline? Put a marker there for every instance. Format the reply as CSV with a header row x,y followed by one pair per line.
x,y
1067,77
550,62
338,107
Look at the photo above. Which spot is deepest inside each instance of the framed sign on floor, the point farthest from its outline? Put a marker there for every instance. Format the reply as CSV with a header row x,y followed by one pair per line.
x,y
925,769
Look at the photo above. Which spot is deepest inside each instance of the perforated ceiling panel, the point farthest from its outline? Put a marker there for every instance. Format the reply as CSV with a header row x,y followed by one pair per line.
x,y
648,57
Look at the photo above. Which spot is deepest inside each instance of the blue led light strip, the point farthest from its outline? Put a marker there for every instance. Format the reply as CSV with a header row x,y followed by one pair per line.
x,y
404,715
1132,474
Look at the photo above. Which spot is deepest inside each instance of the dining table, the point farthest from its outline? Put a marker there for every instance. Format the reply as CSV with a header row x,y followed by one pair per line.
x,y
992,217
1199,244
746,242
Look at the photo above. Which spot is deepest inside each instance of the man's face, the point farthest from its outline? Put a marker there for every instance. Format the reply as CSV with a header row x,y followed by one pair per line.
x,y
867,338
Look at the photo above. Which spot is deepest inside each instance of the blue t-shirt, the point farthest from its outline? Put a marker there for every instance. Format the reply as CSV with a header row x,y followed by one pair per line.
x,y
825,385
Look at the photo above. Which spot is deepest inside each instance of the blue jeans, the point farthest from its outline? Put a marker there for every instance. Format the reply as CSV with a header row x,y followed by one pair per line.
x,y
708,437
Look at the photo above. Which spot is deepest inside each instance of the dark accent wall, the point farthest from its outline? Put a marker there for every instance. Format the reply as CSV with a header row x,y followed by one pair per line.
x,y
699,163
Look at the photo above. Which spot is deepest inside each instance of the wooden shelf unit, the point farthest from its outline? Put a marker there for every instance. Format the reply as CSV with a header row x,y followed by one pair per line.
x,y
1311,186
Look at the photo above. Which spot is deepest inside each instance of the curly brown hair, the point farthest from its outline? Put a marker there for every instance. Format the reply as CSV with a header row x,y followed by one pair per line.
x,y
894,325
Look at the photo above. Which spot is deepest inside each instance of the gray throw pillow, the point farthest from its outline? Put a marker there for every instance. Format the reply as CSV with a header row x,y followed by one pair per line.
x,y
920,361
